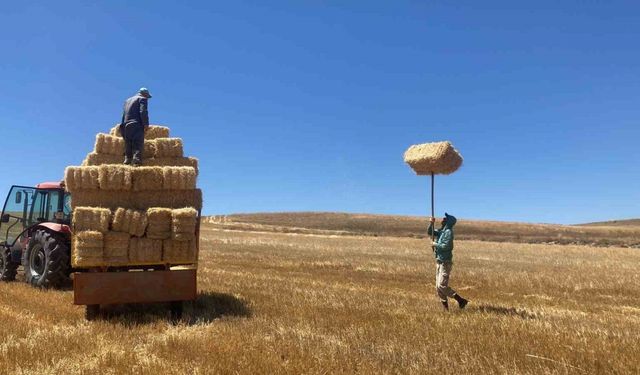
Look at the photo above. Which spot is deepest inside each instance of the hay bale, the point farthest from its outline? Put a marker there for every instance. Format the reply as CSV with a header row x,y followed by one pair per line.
x,y
116,248
115,177
179,178
179,252
94,158
436,158
147,178
183,224
81,178
130,221
91,219
168,147
115,131
88,249
156,131
145,251
159,227
109,144
140,200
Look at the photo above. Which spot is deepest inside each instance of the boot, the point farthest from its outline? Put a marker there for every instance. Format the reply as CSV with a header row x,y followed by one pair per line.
x,y
461,301
445,305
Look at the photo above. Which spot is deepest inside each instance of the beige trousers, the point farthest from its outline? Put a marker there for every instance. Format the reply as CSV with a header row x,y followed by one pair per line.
x,y
443,270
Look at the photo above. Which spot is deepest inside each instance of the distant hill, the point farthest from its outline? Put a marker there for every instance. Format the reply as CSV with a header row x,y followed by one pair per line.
x,y
621,223
335,223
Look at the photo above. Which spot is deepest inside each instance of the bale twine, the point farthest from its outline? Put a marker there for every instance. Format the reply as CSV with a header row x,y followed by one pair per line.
x,y
145,250
115,177
159,227
91,219
88,249
183,224
436,158
133,222
116,248
179,178
178,251
168,147
81,178
147,178
140,200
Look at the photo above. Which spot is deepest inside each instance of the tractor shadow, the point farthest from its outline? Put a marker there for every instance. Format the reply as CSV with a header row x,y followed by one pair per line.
x,y
506,311
208,306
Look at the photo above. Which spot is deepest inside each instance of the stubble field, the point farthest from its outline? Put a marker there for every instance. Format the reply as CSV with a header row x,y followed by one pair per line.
x,y
323,304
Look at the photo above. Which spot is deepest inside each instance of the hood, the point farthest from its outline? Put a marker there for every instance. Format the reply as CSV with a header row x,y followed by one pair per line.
x,y
451,221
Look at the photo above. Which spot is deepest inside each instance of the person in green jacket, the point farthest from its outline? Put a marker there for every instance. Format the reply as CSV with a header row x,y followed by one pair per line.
x,y
443,251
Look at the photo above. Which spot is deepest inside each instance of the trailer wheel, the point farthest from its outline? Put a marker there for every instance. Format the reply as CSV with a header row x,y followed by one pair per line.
x,y
8,269
46,261
92,312
176,308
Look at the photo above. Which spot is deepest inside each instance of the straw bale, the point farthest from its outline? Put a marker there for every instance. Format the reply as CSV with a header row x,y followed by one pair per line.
x,y
183,224
436,158
81,178
140,200
88,249
179,178
115,177
115,131
116,248
130,221
159,227
91,219
156,131
109,144
145,250
147,178
174,252
94,158
168,147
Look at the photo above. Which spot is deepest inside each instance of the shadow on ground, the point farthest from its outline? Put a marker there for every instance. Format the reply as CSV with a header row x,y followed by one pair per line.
x,y
506,311
208,307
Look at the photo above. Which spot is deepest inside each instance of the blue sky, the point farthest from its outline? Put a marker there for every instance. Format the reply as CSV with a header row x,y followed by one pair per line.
x,y
309,105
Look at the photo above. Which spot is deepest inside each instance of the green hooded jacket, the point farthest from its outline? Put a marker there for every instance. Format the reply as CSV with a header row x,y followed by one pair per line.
x,y
444,239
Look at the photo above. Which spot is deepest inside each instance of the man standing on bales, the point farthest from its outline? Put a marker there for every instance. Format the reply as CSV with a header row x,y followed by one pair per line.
x,y
443,251
135,120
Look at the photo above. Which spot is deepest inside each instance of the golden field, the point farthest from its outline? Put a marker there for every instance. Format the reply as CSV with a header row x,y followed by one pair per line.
x,y
326,304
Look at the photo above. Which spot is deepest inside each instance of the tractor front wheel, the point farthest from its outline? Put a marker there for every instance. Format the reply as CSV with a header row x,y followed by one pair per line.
x,y
8,268
46,261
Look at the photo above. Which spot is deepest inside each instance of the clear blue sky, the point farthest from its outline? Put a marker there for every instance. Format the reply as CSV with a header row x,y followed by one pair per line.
x,y
309,105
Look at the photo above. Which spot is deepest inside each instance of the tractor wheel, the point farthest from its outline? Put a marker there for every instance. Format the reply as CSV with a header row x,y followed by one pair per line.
x,y
176,308
8,269
92,312
46,261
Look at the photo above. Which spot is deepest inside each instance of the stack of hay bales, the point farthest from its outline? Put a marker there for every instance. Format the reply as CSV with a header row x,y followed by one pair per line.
x,y
129,216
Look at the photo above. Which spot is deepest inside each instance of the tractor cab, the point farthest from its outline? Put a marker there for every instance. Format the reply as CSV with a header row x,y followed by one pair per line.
x,y
26,207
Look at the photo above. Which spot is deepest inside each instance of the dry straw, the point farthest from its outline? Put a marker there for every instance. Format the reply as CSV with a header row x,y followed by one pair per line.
x,y
115,177
91,219
168,147
145,251
433,158
176,252
100,159
81,178
183,224
147,178
111,145
130,221
116,248
152,132
159,227
179,178
88,249
140,200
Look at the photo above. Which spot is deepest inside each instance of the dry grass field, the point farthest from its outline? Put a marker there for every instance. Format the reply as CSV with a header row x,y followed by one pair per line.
x,y
274,303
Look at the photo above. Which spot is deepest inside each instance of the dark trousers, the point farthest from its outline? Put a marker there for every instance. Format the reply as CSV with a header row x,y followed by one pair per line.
x,y
133,142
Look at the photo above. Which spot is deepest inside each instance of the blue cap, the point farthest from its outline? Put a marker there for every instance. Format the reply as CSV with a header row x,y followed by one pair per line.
x,y
145,91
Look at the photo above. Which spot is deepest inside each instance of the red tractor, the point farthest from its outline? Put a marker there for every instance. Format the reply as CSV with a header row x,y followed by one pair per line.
x,y
35,232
